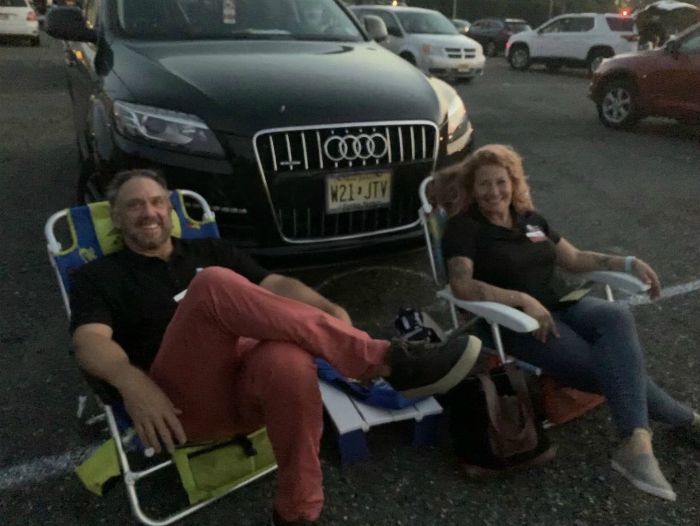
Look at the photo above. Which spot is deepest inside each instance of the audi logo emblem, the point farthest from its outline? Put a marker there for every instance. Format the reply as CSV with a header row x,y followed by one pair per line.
x,y
352,147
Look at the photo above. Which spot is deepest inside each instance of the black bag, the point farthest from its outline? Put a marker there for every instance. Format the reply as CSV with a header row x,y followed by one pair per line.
x,y
493,422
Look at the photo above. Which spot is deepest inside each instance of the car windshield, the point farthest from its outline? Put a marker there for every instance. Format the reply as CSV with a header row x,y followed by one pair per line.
x,y
429,22
236,19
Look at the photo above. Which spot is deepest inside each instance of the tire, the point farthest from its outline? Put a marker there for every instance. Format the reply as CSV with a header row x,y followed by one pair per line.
x,y
617,105
595,58
519,58
490,49
86,191
408,57
553,68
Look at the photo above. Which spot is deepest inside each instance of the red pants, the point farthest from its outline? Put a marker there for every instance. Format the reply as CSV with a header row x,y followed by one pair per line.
x,y
236,357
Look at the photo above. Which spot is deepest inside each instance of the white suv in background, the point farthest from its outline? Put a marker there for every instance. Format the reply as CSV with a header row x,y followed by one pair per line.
x,y
574,40
18,19
428,40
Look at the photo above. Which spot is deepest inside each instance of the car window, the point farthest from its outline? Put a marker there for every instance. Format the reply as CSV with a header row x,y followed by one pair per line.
x,y
13,3
236,19
581,24
392,25
558,26
620,23
691,43
429,22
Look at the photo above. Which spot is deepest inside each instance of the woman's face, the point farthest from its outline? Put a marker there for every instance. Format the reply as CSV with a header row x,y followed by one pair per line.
x,y
493,190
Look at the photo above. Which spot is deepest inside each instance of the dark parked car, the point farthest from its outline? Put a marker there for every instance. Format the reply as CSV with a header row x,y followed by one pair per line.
x,y
304,134
493,33
663,82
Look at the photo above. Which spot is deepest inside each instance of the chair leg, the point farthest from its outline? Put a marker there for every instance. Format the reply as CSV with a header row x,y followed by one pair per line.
x,y
425,431
353,447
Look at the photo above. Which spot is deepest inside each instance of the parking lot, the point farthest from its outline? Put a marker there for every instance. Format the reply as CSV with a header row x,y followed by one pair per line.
x,y
623,192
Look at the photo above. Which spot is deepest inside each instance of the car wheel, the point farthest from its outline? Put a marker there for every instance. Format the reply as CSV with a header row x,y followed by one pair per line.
x,y
553,67
519,58
408,57
617,107
86,191
490,49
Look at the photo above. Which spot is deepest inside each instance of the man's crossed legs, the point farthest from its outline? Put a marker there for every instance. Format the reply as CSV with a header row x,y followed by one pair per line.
x,y
236,357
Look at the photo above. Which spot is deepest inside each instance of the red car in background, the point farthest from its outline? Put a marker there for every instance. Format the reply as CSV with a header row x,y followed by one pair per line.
x,y
663,82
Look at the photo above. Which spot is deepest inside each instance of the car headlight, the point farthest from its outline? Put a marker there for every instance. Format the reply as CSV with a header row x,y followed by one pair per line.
x,y
166,128
458,125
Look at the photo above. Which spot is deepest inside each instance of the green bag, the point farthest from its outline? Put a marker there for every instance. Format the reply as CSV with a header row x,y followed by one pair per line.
x,y
209,470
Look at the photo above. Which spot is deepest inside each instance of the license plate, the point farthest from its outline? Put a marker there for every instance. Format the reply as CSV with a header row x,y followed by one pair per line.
x,y
464,70
345,193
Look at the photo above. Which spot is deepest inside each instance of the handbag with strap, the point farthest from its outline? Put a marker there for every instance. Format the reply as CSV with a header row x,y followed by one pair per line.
x,y
494,423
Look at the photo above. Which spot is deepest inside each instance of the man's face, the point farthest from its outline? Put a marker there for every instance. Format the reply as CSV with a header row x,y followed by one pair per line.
x,y
142,212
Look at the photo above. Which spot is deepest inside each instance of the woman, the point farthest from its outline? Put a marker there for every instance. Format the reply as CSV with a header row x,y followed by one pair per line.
x,y
499,249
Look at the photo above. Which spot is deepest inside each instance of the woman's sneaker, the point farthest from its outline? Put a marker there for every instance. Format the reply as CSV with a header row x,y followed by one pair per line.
x,y
643,471
423,368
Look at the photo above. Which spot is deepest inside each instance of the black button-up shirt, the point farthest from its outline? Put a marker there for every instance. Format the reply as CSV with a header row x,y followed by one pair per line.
x,y
522,258
133,294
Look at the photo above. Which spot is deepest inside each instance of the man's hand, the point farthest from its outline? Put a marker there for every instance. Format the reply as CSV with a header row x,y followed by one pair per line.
x,y
154,416
534,308
647,275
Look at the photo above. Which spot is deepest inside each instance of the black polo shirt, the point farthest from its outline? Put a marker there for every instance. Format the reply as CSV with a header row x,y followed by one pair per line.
x,y
522,258
133,294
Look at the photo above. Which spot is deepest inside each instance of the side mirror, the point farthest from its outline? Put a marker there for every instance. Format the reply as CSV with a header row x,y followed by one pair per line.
x,y
376,28
67,23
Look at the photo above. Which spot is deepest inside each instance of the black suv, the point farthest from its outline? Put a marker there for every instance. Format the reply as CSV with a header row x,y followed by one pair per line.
x,y
304,134
493,33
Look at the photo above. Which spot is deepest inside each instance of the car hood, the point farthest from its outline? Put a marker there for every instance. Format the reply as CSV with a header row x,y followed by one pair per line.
x,y
241,87
631,60
444,40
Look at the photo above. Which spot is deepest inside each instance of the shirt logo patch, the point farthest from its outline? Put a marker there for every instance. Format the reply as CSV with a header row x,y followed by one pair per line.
x,y
535,234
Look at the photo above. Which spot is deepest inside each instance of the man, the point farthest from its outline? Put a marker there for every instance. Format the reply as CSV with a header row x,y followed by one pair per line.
x,y
236,353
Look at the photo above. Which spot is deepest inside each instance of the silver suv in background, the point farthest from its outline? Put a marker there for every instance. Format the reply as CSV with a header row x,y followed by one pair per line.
x,y
573,40
428,40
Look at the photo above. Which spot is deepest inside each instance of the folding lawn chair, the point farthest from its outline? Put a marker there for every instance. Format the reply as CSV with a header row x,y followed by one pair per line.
x,y
434,221
92,235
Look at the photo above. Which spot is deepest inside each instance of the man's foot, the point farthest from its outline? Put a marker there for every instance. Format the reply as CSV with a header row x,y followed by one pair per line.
x,y
277,520
643,471
420,369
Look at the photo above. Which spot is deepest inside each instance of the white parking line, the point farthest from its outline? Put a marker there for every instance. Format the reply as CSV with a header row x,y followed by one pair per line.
x,y
44,468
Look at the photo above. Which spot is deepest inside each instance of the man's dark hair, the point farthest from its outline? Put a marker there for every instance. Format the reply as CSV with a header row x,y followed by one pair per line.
x,y
121,178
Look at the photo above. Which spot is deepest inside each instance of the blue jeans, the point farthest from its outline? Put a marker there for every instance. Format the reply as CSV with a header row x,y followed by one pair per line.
x,y
599,351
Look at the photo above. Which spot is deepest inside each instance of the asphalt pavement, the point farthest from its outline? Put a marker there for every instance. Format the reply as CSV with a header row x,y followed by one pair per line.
x,y
623,192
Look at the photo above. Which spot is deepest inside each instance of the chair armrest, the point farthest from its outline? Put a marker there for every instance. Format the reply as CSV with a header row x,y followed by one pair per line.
x,y
504,315
617,280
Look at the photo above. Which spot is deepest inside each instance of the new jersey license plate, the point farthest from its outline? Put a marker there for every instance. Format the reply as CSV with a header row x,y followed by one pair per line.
x,y
345,193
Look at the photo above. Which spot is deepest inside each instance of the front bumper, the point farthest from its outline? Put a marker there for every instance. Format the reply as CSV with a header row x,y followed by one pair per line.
x,y
449,67
254,208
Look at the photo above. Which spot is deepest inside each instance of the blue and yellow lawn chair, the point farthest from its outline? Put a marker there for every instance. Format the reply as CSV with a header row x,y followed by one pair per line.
x,y
207,471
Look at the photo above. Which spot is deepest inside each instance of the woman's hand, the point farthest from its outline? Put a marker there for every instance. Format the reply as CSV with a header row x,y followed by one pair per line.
x,y
534,308
647,275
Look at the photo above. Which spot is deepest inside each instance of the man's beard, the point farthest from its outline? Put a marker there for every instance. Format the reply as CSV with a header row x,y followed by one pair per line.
x,y
147,243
